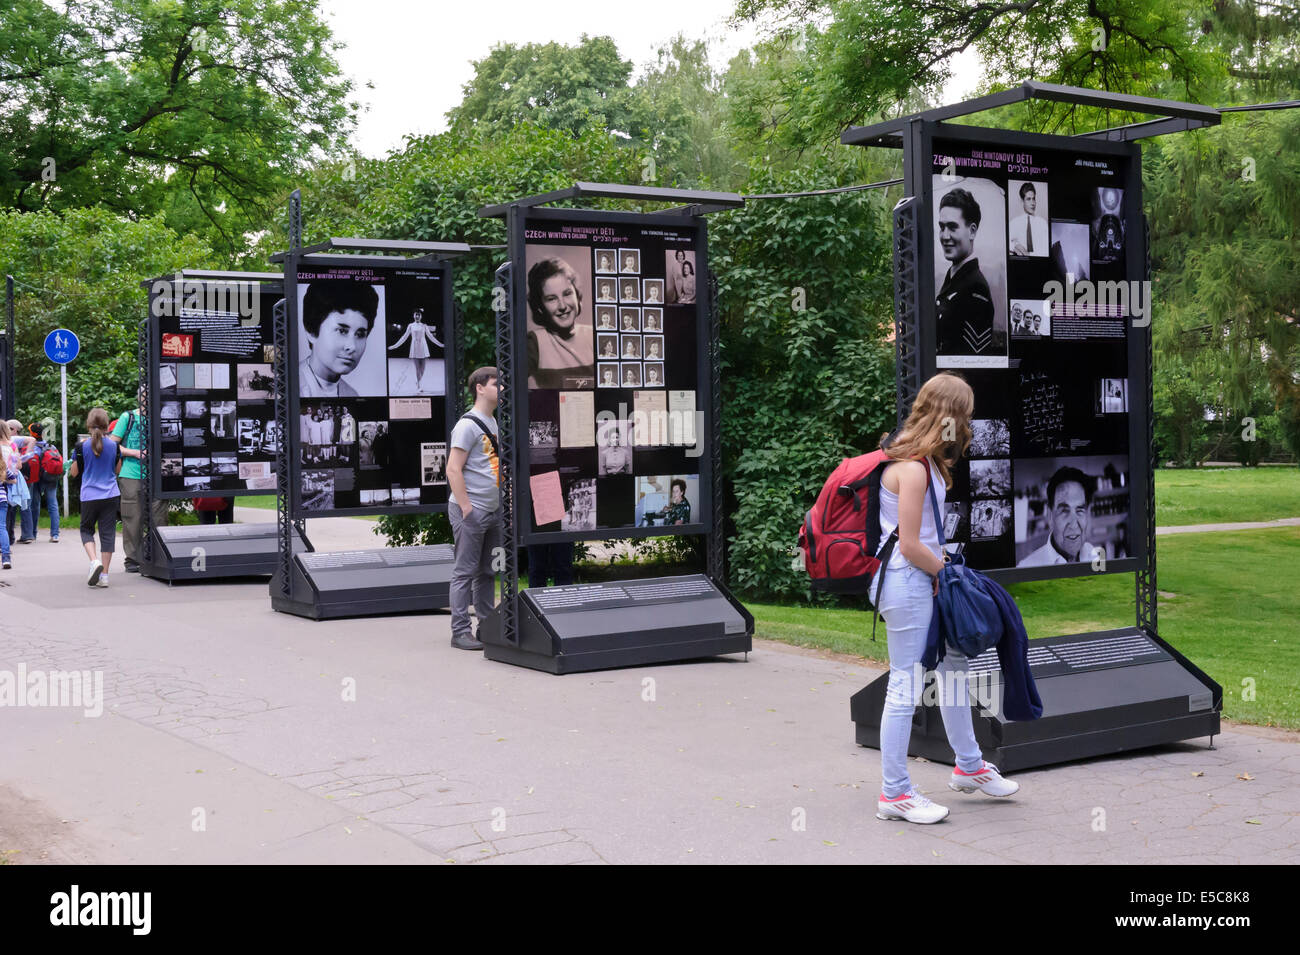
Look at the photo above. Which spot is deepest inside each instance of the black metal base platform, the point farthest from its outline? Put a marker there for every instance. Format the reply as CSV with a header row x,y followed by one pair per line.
x,y
1102,693
213,551
624,624
367,583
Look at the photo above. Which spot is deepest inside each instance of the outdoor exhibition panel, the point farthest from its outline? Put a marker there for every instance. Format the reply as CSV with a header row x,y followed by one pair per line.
x,y
1021,264
608,419
207,356
367,374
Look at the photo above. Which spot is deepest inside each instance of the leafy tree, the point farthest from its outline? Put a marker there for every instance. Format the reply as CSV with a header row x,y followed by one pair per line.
x,y
806,297
570,88
200,109
82,270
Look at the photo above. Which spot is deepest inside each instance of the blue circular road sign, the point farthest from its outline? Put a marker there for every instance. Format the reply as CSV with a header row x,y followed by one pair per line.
x,y
61,346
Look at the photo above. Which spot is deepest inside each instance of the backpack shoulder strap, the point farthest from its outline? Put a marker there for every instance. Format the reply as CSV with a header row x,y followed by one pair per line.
x,y
486,431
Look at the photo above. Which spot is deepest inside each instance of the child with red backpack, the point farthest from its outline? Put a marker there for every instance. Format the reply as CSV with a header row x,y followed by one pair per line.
x,y
42,469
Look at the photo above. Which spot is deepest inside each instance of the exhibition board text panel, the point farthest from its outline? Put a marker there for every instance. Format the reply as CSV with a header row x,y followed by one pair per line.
x,y
612,380
1038,304
212,368
369,378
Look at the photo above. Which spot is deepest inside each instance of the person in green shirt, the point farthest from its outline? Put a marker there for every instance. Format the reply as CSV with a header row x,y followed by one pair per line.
x,y
130,434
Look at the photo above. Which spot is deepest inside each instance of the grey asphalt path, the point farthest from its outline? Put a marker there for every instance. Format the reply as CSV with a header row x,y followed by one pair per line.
x,y
220,711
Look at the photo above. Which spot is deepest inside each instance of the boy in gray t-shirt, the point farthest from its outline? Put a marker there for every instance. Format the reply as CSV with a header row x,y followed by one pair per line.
x,y
474,508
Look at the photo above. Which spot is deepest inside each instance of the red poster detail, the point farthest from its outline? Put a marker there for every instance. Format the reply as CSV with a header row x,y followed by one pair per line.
x,y
177,346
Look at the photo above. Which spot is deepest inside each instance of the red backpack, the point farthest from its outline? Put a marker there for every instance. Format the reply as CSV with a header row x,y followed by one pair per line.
x,y
51,462
840,536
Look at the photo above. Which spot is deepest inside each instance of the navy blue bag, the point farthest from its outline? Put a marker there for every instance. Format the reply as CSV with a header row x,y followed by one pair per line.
x,y
970,620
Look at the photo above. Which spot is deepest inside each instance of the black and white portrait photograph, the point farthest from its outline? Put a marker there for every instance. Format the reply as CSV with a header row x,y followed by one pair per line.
x,y
630,348
629,290
652,291
1112,395
1071,509
336,318
970,273
629,319
1031,318
654,374
652,319
990,438
629,261
255,382
614,447
631,375
1107,224
607,375
654,347
607,290
561,334
606,318
679,285
1027,216
990,478
606,260
607,347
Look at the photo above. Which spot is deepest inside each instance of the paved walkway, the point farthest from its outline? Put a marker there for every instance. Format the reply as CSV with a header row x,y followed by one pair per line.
x,y
1244,526
226,737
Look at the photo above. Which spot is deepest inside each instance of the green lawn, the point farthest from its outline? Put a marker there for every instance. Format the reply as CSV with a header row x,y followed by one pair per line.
x,y
266,502
1226,607
1226,495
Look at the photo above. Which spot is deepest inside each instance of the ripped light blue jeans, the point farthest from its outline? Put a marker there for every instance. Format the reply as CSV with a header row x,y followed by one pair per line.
x,y
906,604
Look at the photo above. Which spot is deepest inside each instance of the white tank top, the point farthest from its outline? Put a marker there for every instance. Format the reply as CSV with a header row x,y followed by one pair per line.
x,y
889,517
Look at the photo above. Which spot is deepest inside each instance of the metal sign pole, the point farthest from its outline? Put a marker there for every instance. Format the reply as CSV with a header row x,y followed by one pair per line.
x,y
63,388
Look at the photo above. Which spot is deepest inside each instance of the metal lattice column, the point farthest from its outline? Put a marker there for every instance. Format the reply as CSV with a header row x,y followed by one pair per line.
x,y
283,526
143,354
716,552
509,607
907,304
1147,594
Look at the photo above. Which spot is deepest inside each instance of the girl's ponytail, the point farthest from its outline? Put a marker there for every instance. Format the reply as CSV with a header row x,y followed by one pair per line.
x,y
97,424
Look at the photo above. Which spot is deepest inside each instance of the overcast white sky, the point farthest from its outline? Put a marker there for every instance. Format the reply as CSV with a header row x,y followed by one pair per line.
x,y
417,53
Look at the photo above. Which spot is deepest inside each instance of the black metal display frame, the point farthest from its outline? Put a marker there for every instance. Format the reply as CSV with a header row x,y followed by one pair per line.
x,y
520,630
151,361
391,579
1128,720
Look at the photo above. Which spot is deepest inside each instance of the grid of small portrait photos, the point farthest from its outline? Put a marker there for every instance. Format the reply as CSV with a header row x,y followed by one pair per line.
x,y
215,434
614,395
1019,236
370,379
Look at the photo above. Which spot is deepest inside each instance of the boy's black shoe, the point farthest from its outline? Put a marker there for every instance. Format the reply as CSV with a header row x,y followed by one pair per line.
x,y
132,567
464,641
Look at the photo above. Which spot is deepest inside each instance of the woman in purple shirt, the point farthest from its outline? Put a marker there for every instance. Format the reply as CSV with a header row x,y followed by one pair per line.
x,y
97,460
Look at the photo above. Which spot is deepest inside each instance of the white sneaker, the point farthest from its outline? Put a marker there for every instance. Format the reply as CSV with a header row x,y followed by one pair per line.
x,y
986,779
103,581
910,807
96,568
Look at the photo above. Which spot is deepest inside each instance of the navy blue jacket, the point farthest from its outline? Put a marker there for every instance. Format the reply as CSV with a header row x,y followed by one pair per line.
x,y
1020,699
